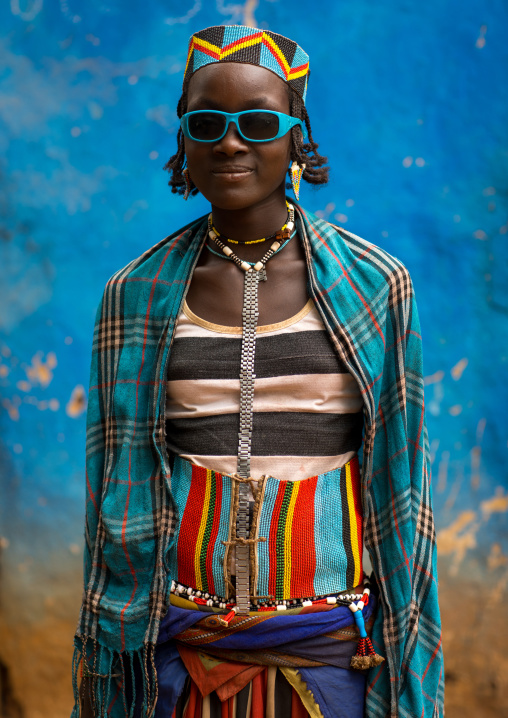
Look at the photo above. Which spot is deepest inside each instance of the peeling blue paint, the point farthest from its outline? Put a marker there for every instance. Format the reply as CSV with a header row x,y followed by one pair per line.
x,y
408,102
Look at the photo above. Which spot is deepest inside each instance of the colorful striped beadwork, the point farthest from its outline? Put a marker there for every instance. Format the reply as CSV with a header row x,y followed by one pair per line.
x,y
314,532
312,527
203,498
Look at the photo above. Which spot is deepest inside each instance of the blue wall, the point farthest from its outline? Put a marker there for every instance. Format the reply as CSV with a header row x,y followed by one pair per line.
x,y
409,102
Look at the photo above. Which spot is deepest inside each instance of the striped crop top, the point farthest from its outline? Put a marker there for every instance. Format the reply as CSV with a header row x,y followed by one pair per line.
x,y
308,415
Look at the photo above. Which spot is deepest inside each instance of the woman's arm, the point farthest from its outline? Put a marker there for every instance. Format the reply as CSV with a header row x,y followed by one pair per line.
x,y
401,536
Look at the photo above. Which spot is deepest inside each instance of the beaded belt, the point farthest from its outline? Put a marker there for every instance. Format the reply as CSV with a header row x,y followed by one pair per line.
x,y
205,600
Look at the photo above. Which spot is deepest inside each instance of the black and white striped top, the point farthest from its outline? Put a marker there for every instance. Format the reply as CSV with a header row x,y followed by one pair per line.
x,y
307,408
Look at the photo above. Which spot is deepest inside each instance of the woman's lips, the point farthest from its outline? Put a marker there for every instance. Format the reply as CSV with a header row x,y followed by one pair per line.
x,y
232,173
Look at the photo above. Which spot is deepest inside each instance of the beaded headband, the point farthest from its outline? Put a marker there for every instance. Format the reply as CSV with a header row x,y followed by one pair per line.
x,y
237,43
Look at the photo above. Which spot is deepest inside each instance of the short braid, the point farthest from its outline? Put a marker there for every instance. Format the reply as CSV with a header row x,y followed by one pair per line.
x,y
176,163
315,172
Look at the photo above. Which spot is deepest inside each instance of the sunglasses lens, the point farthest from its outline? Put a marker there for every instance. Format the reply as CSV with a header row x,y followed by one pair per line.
x,y
259,125
206,126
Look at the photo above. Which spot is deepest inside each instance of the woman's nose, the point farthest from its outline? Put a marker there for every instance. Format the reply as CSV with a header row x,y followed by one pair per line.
x,y
232,142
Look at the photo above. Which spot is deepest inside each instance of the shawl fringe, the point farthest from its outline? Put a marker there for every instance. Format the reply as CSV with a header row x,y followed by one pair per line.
x,y
118,683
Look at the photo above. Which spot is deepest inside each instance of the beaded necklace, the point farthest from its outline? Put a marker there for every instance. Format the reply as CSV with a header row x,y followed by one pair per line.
x,y
252,264
254,241
282,237
254,273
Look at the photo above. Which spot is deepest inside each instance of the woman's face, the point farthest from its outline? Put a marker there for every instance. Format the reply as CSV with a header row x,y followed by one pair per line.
x,y
233,173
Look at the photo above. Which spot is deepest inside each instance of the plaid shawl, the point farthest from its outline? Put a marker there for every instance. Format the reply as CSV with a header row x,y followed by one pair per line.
x,y
366,301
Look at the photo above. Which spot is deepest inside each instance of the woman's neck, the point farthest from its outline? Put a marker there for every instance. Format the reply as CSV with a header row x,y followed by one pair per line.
x,y
245,225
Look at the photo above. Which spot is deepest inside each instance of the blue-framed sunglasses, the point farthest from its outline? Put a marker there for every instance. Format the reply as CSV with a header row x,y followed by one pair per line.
x,y
252,125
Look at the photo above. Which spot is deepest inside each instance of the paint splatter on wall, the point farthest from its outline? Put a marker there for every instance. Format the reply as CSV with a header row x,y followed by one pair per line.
x,y
404,100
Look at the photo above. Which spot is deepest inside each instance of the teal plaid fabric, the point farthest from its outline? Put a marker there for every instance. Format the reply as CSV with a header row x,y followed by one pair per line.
x,y
366,301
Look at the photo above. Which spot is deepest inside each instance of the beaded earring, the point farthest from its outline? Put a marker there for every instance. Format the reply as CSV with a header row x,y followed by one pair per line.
x,y
188,185
296,176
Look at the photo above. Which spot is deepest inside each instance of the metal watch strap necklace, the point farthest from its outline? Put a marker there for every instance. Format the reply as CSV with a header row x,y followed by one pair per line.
x,y
255,272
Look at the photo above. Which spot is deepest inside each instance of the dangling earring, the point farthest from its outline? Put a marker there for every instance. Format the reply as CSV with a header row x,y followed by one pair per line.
x,y
296,176
188,185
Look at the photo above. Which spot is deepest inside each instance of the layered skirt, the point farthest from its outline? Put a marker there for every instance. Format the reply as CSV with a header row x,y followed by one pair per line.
x,y
263,665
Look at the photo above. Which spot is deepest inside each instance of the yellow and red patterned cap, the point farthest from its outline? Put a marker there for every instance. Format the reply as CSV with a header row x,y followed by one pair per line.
x,y
238,43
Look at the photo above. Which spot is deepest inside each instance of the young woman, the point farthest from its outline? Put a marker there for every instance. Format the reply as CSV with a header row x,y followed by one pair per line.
x,y
239,367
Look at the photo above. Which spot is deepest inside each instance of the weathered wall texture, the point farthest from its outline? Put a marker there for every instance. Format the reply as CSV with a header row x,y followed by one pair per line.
x,y
409,102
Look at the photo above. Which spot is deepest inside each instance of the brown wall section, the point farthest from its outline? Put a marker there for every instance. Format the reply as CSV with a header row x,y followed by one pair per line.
x,y
36,654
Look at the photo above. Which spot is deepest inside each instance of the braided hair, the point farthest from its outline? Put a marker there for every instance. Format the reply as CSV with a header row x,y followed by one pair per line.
x,y
304,153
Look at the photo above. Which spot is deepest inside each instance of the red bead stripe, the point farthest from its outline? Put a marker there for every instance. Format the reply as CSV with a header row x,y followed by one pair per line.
x,y
303,553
